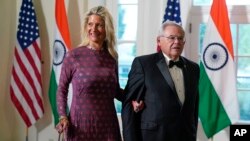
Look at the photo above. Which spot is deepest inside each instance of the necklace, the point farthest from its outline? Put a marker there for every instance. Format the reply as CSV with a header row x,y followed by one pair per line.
x,y
92,48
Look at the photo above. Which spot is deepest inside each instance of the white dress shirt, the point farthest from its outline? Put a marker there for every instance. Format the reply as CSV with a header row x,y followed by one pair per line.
x,y
177,77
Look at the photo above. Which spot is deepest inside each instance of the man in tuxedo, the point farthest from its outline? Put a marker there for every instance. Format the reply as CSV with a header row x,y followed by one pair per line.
x,y
168,85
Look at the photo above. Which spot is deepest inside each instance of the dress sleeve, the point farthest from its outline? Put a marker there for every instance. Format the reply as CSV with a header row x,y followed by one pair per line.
x,y
119,91
64,81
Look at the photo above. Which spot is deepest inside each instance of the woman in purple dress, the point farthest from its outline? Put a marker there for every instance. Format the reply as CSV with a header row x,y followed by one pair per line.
x,y
92,69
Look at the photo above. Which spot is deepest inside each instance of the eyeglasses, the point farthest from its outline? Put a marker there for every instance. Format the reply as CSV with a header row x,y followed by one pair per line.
x,y
173,38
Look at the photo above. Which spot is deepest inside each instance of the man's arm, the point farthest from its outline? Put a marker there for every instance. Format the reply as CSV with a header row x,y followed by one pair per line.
x,y
133,91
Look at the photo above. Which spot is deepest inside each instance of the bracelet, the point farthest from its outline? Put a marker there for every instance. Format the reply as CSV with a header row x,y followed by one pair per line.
x,y
63,118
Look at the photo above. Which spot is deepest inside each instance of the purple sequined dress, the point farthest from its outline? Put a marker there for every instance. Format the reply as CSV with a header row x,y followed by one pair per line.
x,y
94,79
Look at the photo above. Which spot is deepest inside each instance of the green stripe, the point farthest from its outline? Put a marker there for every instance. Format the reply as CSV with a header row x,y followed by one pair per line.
x,y
211,111
52,96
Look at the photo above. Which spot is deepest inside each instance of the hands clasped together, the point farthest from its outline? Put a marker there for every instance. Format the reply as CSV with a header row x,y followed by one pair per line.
x,y
64,122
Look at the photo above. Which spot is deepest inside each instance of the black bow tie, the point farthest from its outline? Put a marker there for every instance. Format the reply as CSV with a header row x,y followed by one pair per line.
x,y
177,63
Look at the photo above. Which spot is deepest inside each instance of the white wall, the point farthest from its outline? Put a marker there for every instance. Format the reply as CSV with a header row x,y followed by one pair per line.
x,y
8,120
12,127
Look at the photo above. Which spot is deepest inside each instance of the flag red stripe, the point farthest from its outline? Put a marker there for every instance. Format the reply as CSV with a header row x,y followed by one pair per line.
x,y
30,80
25,94
19,107
22,87
37,50
32,63
28,55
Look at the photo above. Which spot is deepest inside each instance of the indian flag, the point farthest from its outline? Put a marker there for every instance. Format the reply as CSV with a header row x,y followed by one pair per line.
x,y
61,45
218,107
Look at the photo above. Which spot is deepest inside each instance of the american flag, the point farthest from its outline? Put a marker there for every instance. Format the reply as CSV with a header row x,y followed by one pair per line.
x,y
172,11
26,84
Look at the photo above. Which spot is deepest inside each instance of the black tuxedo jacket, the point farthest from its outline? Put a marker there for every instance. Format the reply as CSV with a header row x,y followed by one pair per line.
x,y
163,118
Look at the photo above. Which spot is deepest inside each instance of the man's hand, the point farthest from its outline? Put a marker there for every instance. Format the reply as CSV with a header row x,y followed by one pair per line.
x,y
138,106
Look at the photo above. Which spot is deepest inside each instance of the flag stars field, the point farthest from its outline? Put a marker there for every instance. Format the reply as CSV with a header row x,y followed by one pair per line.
x,y
172,12
26,28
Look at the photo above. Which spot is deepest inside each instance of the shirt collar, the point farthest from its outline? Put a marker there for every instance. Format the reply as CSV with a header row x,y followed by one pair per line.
x,y
168,59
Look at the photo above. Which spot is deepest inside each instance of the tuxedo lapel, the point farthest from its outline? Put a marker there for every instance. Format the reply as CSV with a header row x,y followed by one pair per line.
x,y
186,78
161,64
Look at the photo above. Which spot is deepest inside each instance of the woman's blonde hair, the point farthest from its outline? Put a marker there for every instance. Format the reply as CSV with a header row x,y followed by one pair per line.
x,y
110,40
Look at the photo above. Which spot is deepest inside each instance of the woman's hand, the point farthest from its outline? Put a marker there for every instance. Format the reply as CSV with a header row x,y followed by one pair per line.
x,y
138,106
63,124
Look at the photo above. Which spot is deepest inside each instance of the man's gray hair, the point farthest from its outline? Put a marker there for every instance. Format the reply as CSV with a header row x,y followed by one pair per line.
x,y
169,23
